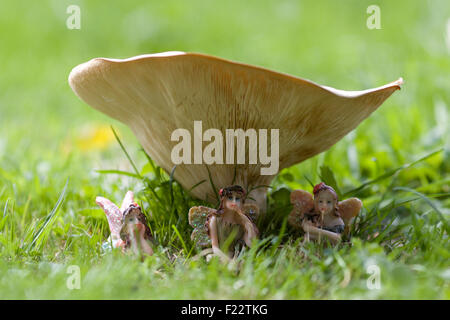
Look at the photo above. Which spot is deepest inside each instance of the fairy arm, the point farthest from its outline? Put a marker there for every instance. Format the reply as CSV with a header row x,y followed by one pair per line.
x,y
317,233
212,226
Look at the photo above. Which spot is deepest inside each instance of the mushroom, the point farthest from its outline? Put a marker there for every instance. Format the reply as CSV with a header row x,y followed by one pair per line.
x,y
156,94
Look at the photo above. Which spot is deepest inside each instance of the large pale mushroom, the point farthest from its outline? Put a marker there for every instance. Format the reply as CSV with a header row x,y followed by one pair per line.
x,y
158,93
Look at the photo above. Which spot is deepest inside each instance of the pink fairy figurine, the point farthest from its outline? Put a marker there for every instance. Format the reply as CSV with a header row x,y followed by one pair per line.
x,y
128,225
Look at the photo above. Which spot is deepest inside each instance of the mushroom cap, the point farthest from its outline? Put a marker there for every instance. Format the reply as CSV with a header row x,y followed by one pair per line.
x,y
157,93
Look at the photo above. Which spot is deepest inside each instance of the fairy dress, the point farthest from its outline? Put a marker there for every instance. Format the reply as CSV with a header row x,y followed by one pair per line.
x,y
198,217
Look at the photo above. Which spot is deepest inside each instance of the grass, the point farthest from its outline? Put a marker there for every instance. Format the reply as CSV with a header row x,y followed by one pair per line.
x,y
57,154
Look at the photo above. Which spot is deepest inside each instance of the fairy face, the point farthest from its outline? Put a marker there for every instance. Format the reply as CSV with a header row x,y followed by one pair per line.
x,y
132,216
325,202
233,200
131,221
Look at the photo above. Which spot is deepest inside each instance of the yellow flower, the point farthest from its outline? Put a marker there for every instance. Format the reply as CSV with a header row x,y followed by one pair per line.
x,y
88,138
98,138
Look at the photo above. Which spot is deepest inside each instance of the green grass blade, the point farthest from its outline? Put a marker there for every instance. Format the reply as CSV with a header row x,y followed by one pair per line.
x,y
429,202
126,153
124,173
45,228
390,173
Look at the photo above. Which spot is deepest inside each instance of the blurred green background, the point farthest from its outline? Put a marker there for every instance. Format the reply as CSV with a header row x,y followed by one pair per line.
x,y
48,135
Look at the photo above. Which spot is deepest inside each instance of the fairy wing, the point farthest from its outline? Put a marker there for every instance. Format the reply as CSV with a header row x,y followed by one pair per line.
x,y
251,211
197,220
302,202
349,208
113,214
127,201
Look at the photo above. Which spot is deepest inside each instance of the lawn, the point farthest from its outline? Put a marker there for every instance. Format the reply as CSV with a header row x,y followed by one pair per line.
x,y
53,147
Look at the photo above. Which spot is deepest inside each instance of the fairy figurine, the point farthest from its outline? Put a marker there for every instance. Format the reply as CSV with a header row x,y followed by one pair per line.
x,y
233,223
128,225
322,215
